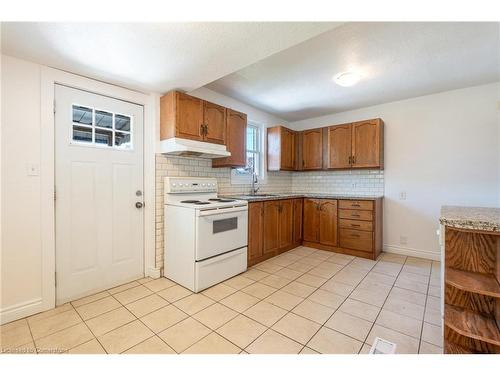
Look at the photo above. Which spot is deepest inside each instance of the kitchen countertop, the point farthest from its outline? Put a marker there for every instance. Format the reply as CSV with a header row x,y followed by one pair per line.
x,y
275,196
474,218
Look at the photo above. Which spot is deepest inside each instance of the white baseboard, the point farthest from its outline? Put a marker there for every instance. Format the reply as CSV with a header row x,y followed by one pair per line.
x,y
154,273
412,252
21,310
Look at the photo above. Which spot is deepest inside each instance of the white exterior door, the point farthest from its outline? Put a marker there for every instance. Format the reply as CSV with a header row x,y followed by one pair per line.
x,y
99,185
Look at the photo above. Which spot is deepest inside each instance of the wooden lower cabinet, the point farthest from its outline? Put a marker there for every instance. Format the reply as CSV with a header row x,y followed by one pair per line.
x,y
346,226
320,221
271,226
285,225
255,232
311,220
298,210
328,222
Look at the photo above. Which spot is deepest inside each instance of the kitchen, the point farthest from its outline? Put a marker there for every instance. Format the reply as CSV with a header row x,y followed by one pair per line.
x,y
232,217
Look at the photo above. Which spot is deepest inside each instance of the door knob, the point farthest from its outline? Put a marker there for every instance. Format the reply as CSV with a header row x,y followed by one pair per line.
x,y
139,204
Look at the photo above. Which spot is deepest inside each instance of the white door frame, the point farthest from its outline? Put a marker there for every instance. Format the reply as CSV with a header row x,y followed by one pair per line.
x,y
49,78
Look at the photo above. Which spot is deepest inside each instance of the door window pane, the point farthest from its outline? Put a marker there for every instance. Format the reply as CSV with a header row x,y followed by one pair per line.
x,y
104,137
122,122
82,115
103,119
122,140
82,134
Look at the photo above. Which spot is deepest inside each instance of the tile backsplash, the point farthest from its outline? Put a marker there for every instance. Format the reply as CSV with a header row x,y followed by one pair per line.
x,y
365,183
359,183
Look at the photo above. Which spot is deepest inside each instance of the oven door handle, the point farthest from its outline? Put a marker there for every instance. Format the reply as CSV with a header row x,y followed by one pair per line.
x,y
223,211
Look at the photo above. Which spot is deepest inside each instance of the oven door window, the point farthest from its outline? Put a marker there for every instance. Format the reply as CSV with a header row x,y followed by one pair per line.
x,y
224,225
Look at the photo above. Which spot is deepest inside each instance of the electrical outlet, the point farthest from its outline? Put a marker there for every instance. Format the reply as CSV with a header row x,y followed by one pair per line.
x,y
403,240
402,195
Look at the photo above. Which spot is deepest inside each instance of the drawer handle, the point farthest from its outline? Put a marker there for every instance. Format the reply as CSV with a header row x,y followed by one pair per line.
x,y
355,225
355,215
355,205
355,235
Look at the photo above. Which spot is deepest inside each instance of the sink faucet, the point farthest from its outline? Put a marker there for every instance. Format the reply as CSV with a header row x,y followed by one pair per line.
x,y
254,178
254,181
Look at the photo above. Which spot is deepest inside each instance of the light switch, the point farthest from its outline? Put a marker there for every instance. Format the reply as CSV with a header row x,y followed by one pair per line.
x,y
33,169
402,196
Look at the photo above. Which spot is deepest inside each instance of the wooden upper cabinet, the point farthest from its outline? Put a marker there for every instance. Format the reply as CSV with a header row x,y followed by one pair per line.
x,y
288,149
338,150
328,222
271,226
312,149
281,149
255,228
185,116
367,144
286,223
298,205
311,220
181,115
236,135
214,120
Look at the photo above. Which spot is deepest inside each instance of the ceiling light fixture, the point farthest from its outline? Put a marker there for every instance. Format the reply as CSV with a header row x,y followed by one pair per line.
x,y
346,79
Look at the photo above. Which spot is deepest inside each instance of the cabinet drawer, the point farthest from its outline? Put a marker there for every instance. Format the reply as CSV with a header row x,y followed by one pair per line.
x,y
356,224
356,239
356,205
355,214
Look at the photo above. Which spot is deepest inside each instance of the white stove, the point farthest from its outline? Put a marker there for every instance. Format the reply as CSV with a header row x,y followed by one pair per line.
x,y
205,236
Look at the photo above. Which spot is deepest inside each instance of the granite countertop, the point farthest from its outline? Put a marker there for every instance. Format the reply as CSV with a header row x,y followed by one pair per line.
x,y
474,218
275,196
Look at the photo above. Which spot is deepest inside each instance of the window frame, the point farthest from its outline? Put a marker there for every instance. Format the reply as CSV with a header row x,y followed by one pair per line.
x,y
241,176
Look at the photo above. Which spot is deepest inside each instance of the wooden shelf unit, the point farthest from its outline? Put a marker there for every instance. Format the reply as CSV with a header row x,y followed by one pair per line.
x,y
474,282
472,291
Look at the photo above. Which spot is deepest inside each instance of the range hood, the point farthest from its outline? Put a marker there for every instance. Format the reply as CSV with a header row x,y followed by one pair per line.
x,y
187,147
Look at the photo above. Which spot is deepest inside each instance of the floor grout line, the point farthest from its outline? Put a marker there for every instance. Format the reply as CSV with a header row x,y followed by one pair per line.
x,y
312,262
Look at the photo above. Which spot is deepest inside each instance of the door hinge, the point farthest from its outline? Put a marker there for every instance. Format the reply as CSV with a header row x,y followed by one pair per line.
x,y
54,106
54,193
55,278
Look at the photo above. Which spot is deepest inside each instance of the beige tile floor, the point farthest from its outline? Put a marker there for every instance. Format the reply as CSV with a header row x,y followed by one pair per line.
x,y
303,301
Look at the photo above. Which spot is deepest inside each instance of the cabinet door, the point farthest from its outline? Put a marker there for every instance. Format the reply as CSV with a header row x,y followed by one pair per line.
x,y
311,220
297,220
271,226
287,149
255,227
286,223
189,117
214,118
339,147
328,222
312,149
367,149
236,135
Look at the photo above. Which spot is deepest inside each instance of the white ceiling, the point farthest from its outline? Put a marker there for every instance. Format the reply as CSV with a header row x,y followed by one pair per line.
x,y
396,60
154,56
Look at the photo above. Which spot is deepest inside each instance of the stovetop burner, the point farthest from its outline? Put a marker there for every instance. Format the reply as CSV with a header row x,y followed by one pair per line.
x,y
224,200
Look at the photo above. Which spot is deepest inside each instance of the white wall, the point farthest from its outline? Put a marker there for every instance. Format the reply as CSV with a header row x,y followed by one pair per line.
x,y
21,204
440,149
